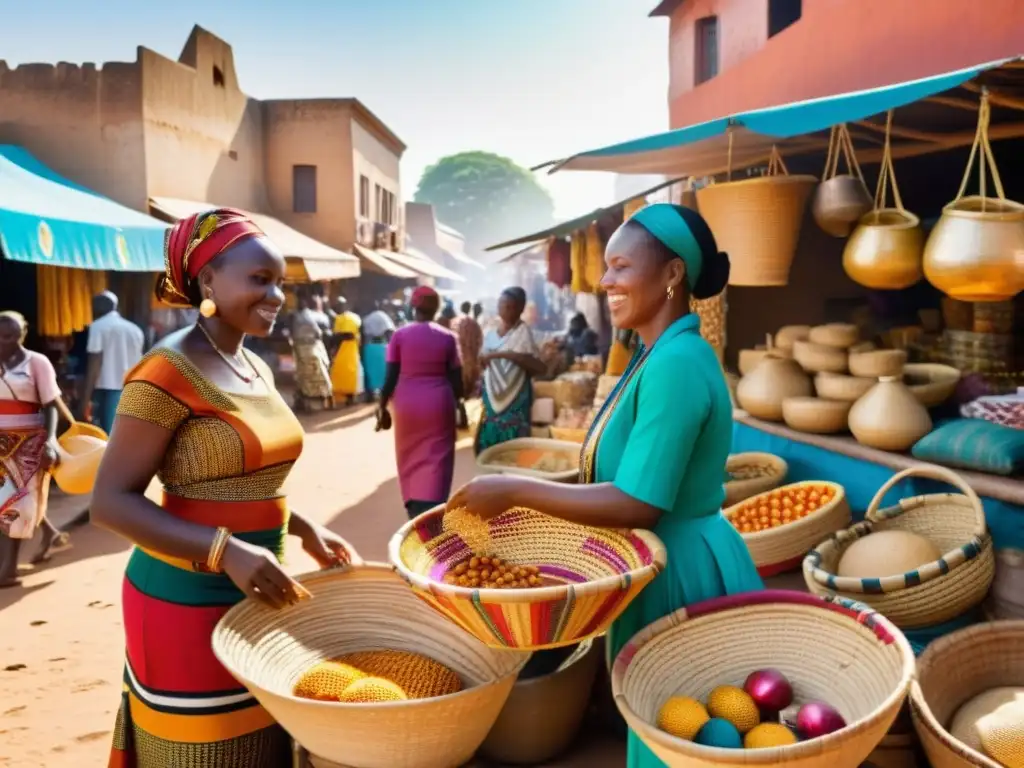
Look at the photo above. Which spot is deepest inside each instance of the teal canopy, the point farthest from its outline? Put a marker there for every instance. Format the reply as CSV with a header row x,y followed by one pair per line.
x,y
47,219
701,149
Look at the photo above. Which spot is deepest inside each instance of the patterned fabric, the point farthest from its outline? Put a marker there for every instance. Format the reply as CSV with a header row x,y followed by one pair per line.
x,y
225,466
503,379
974,444
471,341
195,241
507,425
23,487
1005,410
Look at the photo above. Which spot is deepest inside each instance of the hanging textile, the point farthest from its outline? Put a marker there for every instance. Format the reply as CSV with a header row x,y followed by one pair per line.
x,y
577,263
632,206
593,258
559,262
64,298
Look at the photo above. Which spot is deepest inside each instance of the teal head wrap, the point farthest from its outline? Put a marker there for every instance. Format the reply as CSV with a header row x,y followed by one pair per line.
x,y
667,226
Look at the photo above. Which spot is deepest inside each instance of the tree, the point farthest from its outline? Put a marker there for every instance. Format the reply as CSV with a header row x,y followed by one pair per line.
x,y
488,198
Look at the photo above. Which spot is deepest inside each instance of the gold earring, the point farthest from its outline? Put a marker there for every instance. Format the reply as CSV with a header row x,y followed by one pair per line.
x,y
207,308
671,292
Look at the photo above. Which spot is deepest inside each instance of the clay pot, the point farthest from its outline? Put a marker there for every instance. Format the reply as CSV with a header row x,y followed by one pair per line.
x,y
819,357
788,334
838,386
814,415
749,359
884,251
889,417
761,392
877,363
931,383
842,335
839,203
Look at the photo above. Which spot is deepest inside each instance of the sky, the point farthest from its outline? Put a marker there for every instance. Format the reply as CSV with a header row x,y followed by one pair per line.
x,y
533,80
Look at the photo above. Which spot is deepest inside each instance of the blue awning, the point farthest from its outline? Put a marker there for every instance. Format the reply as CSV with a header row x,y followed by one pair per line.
x,y
700,150
47,219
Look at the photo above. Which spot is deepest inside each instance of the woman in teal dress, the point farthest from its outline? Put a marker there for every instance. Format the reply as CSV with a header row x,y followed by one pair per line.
x,y
655,456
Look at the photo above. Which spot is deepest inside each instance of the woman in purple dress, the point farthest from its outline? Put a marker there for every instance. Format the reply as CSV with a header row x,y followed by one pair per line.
x,y
424,381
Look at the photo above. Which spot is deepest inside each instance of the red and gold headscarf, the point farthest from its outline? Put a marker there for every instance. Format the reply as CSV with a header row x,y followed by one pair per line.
x,y
194,242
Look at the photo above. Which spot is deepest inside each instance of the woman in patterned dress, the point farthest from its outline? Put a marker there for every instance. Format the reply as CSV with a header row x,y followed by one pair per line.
x,y
510,358
201,413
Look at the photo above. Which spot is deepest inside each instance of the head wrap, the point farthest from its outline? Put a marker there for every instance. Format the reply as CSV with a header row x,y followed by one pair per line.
x,y
194,242
423,294
667,225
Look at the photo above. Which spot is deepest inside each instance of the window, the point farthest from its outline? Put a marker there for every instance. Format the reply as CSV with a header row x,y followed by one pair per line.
x,y
782,14
218,76
304,188
386,213
706,49
378,194
364,197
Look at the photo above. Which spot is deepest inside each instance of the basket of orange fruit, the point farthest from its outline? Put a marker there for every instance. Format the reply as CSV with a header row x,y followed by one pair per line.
x,y
541,457
780,526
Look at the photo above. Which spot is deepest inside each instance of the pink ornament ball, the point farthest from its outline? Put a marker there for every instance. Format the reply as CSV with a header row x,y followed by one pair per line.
x,y
816,719
769,689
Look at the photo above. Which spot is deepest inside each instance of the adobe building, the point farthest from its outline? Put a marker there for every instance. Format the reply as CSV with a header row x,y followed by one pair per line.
x,y
179,136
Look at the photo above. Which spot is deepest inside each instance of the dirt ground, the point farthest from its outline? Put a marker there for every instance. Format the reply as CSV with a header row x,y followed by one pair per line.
x,y
61,651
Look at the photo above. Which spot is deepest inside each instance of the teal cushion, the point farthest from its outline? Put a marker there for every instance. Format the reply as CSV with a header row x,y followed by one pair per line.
x,y
974,444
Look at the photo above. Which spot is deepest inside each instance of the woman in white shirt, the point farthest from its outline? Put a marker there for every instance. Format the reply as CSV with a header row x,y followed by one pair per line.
x,y
28,446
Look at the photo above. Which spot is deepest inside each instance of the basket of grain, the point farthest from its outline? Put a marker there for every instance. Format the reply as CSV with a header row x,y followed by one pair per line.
x,y
748,474
524,579
955,676
840,652
934,592
556,460
368,611
781,526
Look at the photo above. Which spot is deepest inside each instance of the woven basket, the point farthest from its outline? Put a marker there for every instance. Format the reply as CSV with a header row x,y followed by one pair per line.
x,y
936,592
568,435
782,549
840,652
602,570
757,222
738,490
952,671
487,464
366,608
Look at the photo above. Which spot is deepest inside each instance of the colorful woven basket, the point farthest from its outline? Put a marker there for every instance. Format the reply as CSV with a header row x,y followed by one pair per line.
x,y
366,608
601,571
936,592
952,671
782,549
515,457
837,651
738,490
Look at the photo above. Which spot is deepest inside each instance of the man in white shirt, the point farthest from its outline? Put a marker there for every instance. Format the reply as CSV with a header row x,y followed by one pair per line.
x,y
115,347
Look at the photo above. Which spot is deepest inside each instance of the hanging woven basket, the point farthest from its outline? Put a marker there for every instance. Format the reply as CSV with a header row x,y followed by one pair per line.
x,y
976,250
757,222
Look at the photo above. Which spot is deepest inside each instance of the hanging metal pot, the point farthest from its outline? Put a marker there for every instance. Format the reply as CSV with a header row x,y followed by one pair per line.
x,y
841,199
976,250
884,251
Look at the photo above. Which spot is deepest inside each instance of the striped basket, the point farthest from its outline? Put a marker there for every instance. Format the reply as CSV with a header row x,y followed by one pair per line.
x,y
775,468
936,592
837,651
951,672
601,571
780,550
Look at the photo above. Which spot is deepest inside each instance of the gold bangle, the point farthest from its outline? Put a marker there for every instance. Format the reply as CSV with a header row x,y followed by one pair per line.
x,y
220,543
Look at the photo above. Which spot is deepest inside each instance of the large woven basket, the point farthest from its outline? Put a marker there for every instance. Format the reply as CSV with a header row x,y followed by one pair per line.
x,y
366,608
569,435
601,571
738,490
952,671
936,592
492,460
757,222
782,549
840,652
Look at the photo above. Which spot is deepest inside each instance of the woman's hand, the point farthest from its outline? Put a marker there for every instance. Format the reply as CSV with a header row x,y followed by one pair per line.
x,y
256,572
383,419
328,548
487,496
51,455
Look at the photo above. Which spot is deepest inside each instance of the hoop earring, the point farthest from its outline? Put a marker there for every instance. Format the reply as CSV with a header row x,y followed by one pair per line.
x,y
671,292
207,308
